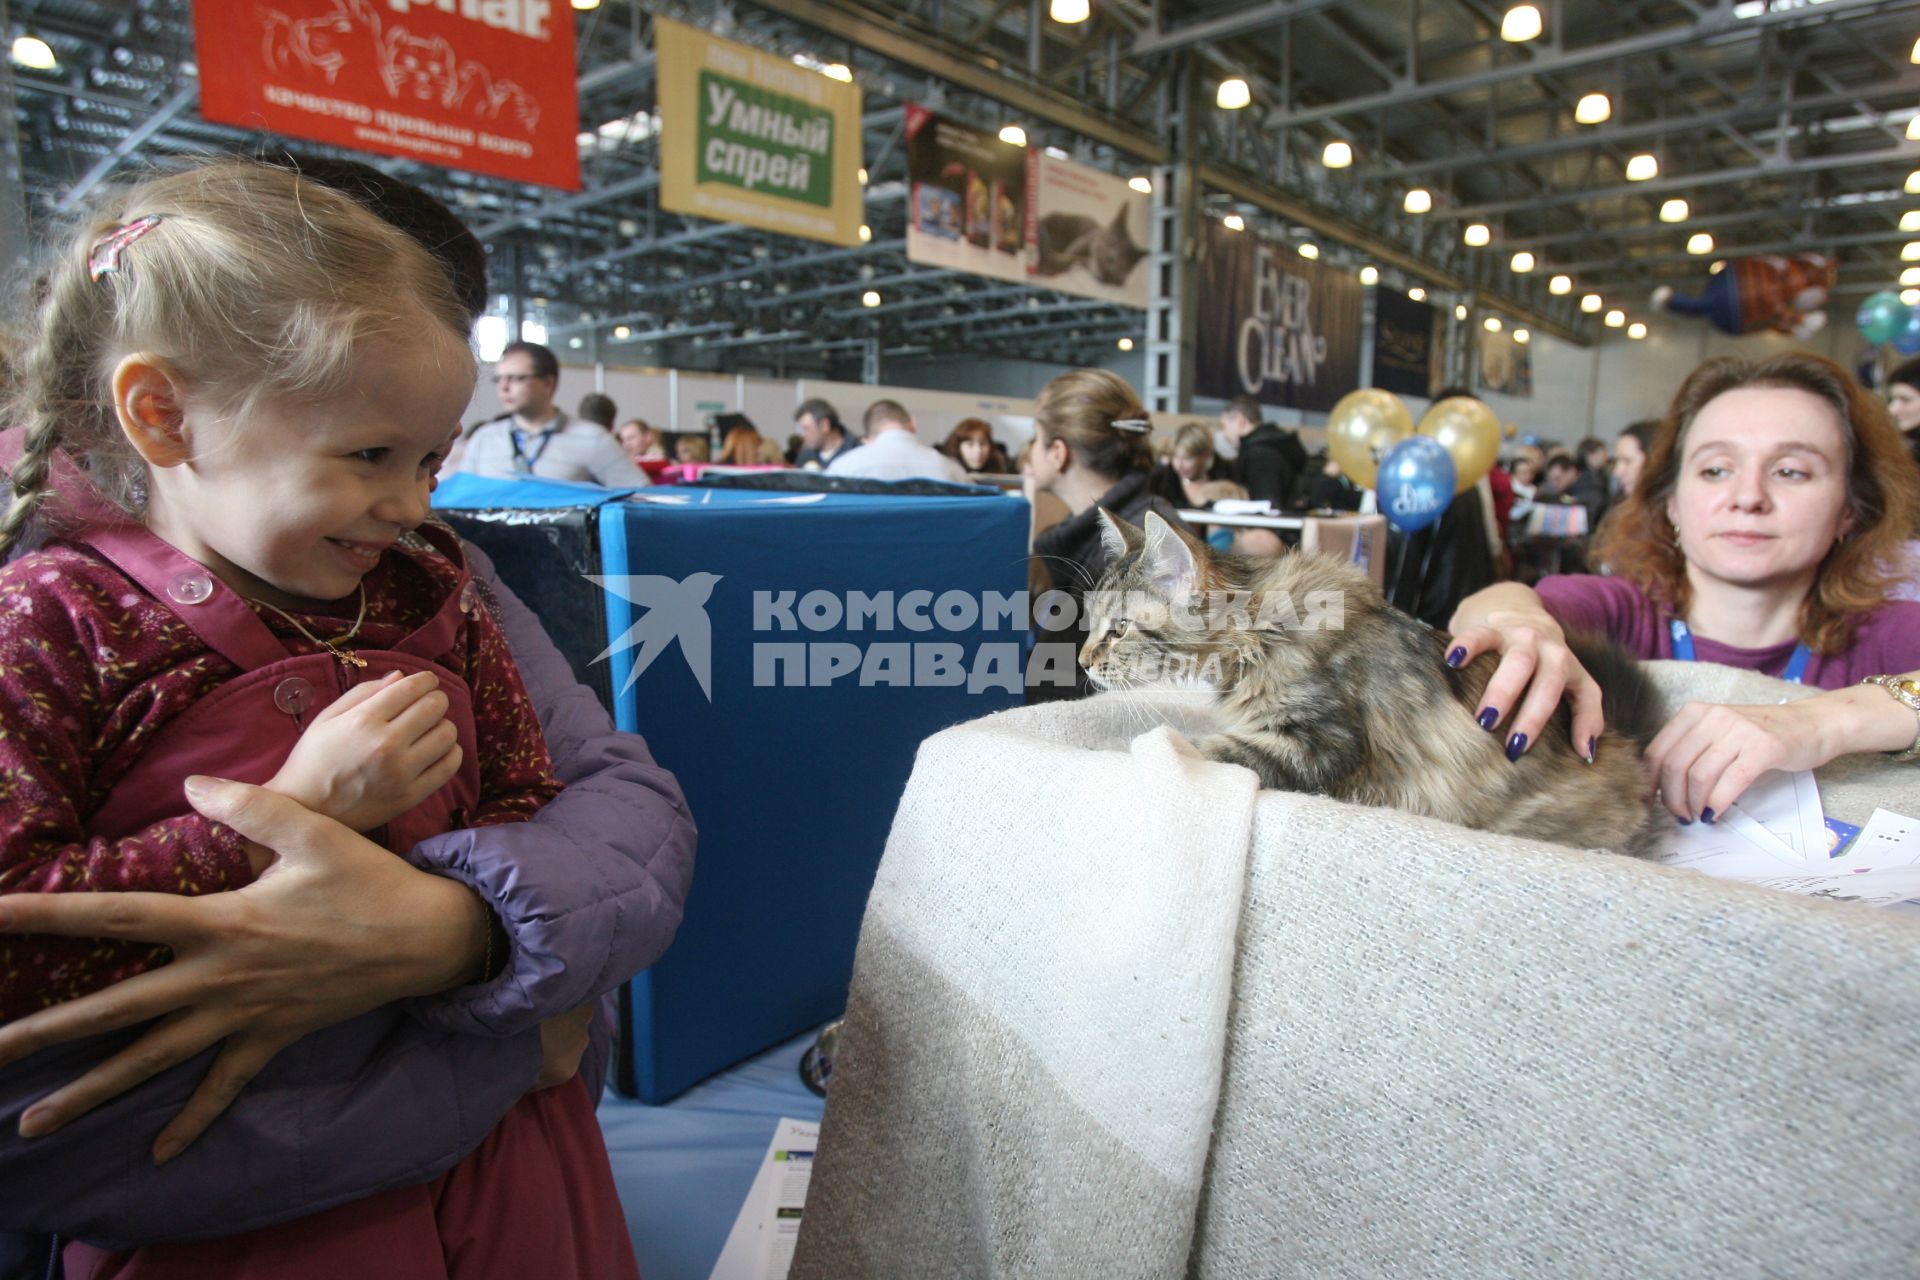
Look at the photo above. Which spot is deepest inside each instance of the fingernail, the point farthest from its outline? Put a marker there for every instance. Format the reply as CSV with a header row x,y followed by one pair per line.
x,y
1488,718
197,785
1706,816
1591,744
165,1151
37,1121
1686,822
1458,656
1516,745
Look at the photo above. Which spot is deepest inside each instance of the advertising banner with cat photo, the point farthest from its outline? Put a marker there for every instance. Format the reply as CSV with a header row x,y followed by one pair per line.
x,y
751,138
482,85
967,201
1403,345
1274,325
1504,366
1087,231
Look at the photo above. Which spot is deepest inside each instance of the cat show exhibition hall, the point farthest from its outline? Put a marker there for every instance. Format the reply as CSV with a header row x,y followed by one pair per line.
x,y
865,640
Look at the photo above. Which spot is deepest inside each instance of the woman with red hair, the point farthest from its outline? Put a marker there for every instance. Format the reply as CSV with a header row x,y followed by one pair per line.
x,y
1765,533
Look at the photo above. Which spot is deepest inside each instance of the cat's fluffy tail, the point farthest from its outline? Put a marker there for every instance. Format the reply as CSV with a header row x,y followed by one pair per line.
x,y
1627,697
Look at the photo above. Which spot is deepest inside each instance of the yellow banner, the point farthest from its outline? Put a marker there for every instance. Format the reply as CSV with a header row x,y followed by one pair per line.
x,y
751,138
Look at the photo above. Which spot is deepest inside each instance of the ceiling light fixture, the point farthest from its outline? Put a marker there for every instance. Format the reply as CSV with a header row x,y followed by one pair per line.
x,y
1234,222
1491,324
1418,200
584,5
1560,284
1310,251
1642,167
1369,275
1910,277
1417,294
1339,155
866,233
1459,311
1591,303
1013,135
1636,331
34,53
1594,108
1910,296
1910,220
838,71
621,332
1616,318
1913,183
1522,336
1522,262
1675,210
1699,243
871,298
1068,12
1476,235
1141,183
1521,23
1233,94
1126,344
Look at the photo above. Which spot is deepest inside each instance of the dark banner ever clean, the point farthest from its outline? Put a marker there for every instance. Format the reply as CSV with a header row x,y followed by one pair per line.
x,y
1402,344
1274,325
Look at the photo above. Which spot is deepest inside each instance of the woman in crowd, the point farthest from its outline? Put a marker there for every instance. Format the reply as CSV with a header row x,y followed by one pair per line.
x,y
971,444
741,448
1903,402
1090,451
1630,457
1775,497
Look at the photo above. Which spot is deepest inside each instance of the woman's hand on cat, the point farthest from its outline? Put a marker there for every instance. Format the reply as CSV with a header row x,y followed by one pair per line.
x,y
1536,670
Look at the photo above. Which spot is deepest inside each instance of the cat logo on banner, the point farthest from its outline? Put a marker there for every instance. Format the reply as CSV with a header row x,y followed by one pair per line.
x,y
482,85
750,138
1014,213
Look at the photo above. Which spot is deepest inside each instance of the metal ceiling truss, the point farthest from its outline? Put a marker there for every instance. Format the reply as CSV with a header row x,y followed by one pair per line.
x,y
1783,128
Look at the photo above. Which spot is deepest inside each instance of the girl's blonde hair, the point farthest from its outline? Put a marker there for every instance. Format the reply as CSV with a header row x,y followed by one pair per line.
x,y
254,285
1081,408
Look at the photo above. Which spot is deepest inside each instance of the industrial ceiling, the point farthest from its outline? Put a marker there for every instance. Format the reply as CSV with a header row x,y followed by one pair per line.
x,y
1781,124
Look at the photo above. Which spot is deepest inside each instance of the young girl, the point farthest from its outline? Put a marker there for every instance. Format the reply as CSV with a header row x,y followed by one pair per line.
x,y
261,376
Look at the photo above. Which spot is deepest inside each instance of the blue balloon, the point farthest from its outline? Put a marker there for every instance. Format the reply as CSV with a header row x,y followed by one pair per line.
x,y
1907,341
1416,483
1881,316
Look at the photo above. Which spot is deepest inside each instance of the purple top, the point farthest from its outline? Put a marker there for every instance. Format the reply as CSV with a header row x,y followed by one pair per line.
x,y
1887,642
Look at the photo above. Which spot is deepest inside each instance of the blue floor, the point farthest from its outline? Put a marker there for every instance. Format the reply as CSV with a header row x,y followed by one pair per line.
x,y
683,1169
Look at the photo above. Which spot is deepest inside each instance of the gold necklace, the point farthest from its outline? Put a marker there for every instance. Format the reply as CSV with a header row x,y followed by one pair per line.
x,y
347,657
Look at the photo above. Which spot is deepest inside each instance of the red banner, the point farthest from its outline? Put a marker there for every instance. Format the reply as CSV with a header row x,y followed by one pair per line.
x,y
482,85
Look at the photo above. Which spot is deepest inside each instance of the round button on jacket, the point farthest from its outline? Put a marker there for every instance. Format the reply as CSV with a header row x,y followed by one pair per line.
x,y
293,694
194,587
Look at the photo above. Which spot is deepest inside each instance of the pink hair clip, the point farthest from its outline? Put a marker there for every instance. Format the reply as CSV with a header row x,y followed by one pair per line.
x,y
105,258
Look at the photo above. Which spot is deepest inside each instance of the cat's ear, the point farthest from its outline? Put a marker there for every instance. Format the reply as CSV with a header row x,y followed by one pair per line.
x,y
1116,535
1120,217
1170,561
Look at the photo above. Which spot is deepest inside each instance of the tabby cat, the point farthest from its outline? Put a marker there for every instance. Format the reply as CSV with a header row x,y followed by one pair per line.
x,y
1319,685
1070,239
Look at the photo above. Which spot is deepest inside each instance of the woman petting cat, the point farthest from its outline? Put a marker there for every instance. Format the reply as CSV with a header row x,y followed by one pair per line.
x,y
1763,534
1090,451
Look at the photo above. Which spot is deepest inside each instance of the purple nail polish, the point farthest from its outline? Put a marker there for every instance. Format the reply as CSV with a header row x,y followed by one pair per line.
x,y
1706,816
1516,746
1592,743
1686,822
1458,656
1488,718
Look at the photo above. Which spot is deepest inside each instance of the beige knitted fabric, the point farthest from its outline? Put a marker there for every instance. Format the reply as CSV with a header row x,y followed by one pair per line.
x,y
1444,1053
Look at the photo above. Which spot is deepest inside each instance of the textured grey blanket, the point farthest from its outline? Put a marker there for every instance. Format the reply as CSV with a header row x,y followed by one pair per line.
x,y
1115,1013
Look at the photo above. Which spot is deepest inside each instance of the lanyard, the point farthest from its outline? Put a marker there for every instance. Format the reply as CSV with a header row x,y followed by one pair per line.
x,y
521,462
1683,652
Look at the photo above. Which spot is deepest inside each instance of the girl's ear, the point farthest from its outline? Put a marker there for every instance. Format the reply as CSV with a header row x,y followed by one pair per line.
x,y
147,399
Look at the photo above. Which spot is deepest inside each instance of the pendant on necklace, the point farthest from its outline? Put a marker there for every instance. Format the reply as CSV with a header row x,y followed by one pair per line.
x,y
347,657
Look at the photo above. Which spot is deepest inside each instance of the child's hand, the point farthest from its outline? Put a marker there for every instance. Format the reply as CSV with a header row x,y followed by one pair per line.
x,y
562,1042
375,753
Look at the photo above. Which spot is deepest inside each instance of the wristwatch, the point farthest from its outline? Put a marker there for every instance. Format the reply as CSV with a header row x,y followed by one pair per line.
x,y
1907,691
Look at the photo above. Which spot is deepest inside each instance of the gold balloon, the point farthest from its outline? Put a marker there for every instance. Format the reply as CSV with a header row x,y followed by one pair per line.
x,y
1469,433
1362,427
1513,429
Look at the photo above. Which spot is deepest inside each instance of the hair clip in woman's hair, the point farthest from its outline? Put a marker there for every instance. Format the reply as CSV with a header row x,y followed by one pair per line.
x,y
1138,426
105,258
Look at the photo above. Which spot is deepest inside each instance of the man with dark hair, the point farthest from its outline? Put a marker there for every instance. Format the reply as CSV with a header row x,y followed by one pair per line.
x,y
534,438
1269,461
822,437
892,453
598,409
